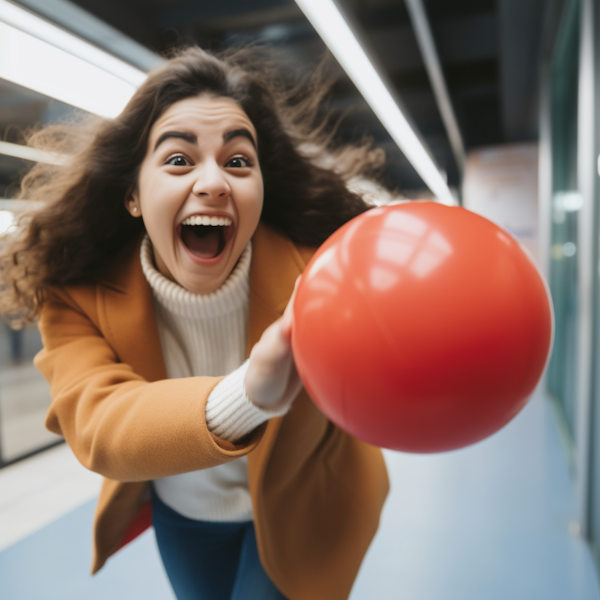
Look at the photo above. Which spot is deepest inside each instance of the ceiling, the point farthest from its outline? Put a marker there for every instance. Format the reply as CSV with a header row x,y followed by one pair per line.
x,y
491,52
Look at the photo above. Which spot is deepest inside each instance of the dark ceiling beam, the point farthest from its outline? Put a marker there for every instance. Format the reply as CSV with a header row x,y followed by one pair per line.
x,y
440,10
520,25
208,10
431,59
130,17
396,47
280,35
377,14
466,39
469,42
472,74
254,20
461,78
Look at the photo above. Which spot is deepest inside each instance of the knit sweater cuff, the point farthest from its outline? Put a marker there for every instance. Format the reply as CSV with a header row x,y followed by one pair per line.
x,y
230,414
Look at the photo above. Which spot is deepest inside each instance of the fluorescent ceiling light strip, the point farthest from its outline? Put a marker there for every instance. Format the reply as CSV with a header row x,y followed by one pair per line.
x,y
44,68
335,32
19,205
81,23
48,32
7,221
429,53
20,151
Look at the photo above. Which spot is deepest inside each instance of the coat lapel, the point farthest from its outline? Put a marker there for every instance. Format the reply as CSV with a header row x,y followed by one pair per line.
x,y
276,263
127,317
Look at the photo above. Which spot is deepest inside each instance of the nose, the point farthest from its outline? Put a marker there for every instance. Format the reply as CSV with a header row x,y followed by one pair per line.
x,y
210,182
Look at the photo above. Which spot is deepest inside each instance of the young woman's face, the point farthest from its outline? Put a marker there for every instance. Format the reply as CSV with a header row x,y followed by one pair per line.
x,y
199,190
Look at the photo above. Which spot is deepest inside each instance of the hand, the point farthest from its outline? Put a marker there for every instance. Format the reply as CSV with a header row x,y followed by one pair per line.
x,y
272,381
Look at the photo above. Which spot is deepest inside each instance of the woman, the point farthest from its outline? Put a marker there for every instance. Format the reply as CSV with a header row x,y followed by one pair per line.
x,y
148,311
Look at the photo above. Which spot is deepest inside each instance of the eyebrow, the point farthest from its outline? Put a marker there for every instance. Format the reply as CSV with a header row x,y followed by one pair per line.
x,y
192,139
184,135
229,135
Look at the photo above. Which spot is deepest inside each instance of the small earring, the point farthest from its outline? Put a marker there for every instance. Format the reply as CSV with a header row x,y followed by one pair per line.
x,y
135,209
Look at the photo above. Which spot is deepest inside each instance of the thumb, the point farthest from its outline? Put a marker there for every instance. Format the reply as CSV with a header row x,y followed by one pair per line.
x,y
288,315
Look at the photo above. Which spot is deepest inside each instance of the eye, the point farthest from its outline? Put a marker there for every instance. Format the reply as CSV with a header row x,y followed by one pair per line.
x,y
177,160
239,162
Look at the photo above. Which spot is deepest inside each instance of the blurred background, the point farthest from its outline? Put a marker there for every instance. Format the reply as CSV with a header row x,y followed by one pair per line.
x,y
503,100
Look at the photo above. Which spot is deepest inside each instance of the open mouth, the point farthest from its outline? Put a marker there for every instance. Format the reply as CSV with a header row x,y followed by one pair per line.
x,y
206,237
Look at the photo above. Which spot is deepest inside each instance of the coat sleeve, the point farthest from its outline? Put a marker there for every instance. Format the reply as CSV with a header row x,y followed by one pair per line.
x,y
117,423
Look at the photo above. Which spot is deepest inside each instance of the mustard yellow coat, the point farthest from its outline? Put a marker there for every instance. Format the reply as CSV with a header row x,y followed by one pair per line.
x,y
317,492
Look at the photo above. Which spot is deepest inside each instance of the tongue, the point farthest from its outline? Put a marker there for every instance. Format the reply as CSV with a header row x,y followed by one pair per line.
x,y
204,242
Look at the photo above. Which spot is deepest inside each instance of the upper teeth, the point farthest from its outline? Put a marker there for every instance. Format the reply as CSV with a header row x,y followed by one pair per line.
x,y
206,220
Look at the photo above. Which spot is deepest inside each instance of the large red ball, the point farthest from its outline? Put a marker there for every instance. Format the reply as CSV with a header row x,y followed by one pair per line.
x,y
421,327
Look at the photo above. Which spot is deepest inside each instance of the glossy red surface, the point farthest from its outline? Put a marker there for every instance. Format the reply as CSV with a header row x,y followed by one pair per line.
x,y
421,327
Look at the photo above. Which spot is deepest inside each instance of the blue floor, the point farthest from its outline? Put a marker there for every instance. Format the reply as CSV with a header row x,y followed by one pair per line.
x,y
54,564
489,522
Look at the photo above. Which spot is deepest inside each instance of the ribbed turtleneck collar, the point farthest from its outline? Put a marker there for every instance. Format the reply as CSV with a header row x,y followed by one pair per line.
x,y
231,296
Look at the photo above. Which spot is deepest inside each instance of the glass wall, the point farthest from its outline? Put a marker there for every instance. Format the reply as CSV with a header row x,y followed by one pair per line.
x,y
24,395
594,516
566,202
594,501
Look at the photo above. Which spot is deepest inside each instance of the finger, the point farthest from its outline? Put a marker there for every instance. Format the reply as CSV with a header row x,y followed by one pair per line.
x,y
288,313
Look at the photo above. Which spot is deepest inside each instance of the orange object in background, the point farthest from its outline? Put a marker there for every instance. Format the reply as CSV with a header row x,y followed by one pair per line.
x,y
421,327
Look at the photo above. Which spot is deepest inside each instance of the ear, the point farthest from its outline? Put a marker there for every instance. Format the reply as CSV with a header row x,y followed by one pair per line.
x,y
132,204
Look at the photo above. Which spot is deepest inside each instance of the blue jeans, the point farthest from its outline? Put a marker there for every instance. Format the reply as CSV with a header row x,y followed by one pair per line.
x,y
210,561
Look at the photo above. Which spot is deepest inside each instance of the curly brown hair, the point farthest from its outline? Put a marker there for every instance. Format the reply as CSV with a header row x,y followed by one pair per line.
x,y
83,224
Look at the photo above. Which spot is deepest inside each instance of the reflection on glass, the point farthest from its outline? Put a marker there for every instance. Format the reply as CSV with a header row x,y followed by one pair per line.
x,y
24,395
566,202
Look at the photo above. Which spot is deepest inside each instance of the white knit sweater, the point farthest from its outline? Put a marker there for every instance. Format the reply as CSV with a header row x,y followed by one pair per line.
x,y
206,335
